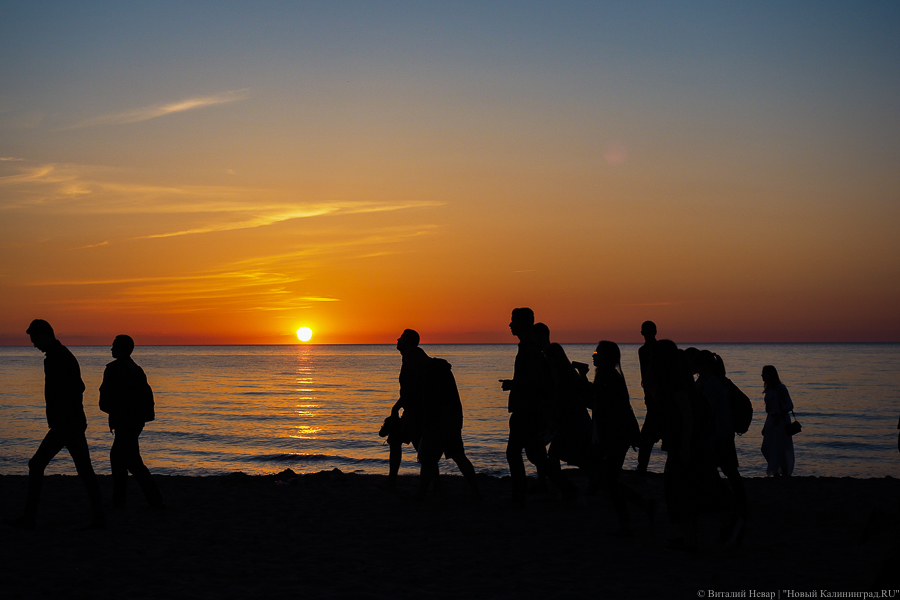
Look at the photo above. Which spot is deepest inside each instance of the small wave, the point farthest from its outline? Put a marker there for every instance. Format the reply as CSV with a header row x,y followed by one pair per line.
x,y
313,458
838,444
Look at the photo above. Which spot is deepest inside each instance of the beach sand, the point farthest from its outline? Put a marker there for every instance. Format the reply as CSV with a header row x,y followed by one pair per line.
x,y
335,535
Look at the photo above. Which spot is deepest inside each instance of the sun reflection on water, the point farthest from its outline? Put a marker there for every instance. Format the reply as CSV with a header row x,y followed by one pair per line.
x,y
307,409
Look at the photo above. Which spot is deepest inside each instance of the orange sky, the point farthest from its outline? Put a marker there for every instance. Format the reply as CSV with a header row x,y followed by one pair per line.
x,y
187,177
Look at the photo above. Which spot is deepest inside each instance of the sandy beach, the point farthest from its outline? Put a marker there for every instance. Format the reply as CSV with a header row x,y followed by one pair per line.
x,y
331,535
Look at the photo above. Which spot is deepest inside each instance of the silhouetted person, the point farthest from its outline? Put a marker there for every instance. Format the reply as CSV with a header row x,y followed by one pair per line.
x,y
615,429
126,396
412,394
542,337
442,423
651,431
529,391
777,446
711,382
63,393
672,379
571,434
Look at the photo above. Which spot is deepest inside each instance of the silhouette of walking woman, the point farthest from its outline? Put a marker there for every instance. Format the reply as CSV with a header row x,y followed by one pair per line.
x,y
777,446
615,429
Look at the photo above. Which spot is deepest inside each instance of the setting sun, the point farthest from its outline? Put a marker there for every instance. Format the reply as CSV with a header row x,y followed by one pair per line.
x,y
304,334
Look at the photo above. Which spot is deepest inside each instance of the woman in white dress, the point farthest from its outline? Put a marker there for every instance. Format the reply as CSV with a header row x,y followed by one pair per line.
x,y
777,446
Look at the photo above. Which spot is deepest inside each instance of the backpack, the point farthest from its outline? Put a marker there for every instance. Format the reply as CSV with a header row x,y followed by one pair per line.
x,y
443,406
741,407
128,396
145,404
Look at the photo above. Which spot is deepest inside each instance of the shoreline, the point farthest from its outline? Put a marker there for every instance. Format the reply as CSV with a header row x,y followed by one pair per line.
x,y
331,534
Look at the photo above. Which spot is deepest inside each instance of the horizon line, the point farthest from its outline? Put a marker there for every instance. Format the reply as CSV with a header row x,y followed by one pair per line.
x,y
512,343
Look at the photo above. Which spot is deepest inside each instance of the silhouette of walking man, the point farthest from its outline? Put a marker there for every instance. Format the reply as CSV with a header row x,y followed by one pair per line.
x,y
529,391
63,393
651,431
408,428
126,396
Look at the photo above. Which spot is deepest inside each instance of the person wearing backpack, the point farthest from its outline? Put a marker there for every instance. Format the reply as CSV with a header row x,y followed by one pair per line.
x,y
127,398
442,423
711,382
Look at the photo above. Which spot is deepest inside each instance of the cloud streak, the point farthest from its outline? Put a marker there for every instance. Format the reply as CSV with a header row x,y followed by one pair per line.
x,y
241,290
280,213
160,110
77,190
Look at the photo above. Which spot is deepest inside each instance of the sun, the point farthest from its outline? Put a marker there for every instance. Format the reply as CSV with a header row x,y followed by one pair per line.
x,y
304,334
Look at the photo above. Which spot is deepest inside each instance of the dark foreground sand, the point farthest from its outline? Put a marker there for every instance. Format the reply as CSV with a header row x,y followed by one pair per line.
x,y
334,535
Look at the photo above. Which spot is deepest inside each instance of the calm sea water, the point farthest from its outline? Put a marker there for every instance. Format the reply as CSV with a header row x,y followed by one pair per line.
x,y
262,409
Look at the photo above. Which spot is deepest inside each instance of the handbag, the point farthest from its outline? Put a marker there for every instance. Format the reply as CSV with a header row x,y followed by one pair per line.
x,y
391,424
795,426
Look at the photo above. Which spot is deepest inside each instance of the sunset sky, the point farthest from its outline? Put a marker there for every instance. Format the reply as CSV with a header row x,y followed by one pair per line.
x,y
227,172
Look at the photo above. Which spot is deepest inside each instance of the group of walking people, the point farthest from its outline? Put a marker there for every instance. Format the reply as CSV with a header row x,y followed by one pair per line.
x,y
691,406
586,423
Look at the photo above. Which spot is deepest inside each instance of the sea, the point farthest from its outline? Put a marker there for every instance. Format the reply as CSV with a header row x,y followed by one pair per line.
x,y
264,409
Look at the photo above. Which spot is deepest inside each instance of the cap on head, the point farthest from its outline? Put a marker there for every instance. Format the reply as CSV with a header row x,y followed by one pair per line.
x,y
648,328
412,335
40,328
124,343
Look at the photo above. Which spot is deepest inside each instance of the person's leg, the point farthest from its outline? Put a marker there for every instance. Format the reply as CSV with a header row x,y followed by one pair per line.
x,y
726,456
537,455
616,495
394,461
428,474
649,437
734,524
619,492
679,500
118,463
395,443
136,466
76,443
50,446
514,449
468,471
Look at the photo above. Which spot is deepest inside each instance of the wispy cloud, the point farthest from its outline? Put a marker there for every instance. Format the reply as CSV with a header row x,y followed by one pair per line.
x,y
278,283
160,110
10,158
85,190
655,304
132,211
227,289
278,213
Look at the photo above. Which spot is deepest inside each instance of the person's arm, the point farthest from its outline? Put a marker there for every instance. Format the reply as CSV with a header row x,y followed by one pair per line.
x,y
395,410
106,391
